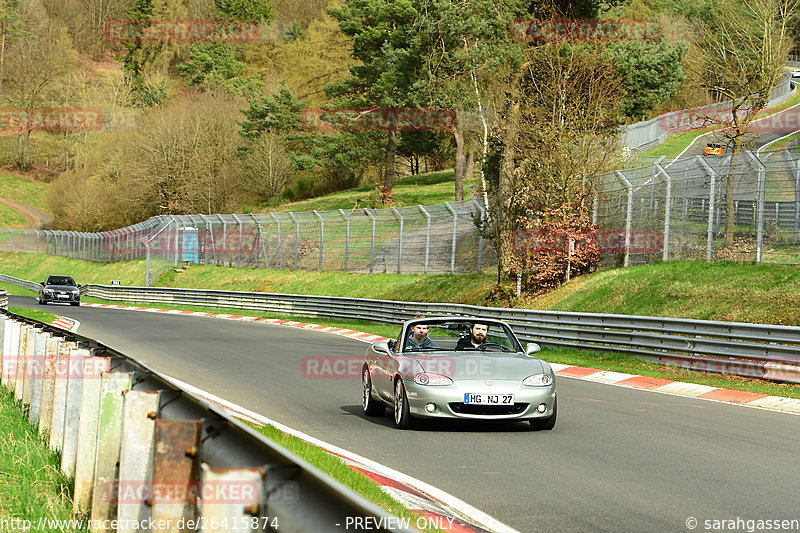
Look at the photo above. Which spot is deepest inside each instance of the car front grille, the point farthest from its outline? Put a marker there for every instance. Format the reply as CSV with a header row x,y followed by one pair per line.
x,y
487,410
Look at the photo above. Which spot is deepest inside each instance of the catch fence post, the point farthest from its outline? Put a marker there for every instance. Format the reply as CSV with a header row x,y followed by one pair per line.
x,y
277,241
667,210
296,238
628,217
372,242
762,182
711,204
321,236
427,237
346,237
455,236
400,242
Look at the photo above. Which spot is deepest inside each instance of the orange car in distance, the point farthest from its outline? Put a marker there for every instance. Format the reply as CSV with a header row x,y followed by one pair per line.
x,y
713,149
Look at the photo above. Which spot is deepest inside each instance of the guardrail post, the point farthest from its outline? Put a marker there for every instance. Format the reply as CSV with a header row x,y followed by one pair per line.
x,y
25,341
761,198
140,409
246,483
39,351
400,242
224,238
11,240
321,236
175,465
49,384
455,236
93,369
72,409
372,242
346,238
628,217
109,436
11,335
277,241
60,395
427,237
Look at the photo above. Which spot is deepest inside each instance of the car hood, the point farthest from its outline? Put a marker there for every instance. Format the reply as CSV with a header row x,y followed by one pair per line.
x,y
494,365
64,288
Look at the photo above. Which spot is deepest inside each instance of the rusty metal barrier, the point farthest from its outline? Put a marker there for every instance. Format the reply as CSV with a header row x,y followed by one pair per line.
x,y
143,450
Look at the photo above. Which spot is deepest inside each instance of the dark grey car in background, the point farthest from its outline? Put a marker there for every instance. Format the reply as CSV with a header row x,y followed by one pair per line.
x,y
59,289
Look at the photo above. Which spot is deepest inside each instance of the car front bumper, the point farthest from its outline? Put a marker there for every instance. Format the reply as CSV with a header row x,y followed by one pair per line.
x,y
449,400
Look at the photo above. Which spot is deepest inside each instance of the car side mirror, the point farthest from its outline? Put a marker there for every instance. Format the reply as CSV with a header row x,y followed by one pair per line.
x,y
41,283
382,347
532,348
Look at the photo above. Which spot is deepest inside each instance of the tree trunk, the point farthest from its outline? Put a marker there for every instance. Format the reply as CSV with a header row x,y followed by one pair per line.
x,y
469,173
730,209
388,174
505,189
458,133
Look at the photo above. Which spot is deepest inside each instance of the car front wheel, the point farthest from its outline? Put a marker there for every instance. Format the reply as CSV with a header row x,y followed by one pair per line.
x,y
368,403
402,418
539,424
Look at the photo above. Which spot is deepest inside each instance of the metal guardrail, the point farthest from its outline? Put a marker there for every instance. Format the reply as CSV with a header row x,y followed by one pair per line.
x,y
193,446
4,299
753,350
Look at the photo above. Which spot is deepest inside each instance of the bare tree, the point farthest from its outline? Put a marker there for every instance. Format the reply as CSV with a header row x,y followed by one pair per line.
x,y
742,50
268,165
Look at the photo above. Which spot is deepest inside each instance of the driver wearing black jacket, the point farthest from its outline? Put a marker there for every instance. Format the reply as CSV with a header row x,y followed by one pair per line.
x,y
476,338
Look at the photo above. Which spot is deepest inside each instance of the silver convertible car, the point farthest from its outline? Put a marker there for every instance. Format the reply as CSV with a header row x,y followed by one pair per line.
x,y
458,368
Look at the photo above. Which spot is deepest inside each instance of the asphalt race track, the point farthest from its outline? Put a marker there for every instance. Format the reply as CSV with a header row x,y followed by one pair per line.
x,y
618,459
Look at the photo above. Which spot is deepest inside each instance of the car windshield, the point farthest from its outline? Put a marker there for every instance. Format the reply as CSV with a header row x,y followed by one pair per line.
x,y
60,280
459,335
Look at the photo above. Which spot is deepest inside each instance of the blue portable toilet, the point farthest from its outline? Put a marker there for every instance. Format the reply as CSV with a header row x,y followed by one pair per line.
x,y
189,246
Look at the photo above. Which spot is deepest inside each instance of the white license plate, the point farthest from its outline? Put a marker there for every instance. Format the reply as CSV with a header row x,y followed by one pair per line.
x,y
65,296
488,399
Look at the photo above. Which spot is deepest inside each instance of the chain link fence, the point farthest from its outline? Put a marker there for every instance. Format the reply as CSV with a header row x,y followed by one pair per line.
x,y
671,209
443,238
679,209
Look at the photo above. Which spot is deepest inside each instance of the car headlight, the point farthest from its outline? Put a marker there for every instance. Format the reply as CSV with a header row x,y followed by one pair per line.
x,y
48,291
432,379
538,380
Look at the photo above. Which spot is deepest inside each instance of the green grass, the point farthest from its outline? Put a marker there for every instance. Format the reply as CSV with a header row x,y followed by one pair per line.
x,y
335,467
36,314
425,189
32,485
24,190
10,218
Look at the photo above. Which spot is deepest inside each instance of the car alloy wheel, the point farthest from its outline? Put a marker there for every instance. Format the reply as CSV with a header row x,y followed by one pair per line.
x,y
402,419
368,404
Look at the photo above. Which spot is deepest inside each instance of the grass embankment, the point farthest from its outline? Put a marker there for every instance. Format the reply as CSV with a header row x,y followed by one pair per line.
x,y
32,486
718,291
22,190
677,143
425,189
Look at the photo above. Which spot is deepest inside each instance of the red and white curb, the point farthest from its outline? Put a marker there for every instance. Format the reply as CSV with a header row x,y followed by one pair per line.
x,y
69,324
633,381
665,386
433,506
